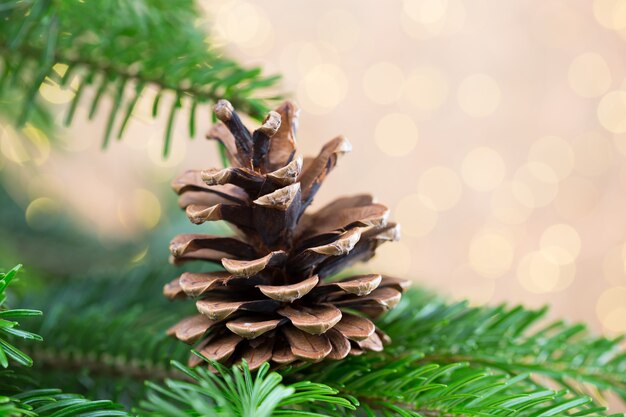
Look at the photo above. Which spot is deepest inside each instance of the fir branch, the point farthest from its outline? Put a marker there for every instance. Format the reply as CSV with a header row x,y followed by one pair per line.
x,y
503,338
9,329
427,333
130,315
415,386
373,385
17,398
236,392
55,403
108,45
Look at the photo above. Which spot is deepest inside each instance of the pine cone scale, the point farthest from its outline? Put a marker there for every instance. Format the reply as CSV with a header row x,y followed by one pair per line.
x,y
289,293
251,327
358,285
283,143
312,319
221,347
257,355
196,285
307,346
354,327
221,309
249,268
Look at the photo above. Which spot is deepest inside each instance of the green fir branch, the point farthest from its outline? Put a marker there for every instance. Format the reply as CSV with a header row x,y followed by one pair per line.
x,y
130,315
414,386
109,45
368,385
497,342
436,365
236,392
55,403
511,340
9,328
17,396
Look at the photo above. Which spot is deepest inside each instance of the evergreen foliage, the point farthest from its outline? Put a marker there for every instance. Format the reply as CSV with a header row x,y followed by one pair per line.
x,y
10,329
445,359
237,393
512,340
117,49
472,346
17,397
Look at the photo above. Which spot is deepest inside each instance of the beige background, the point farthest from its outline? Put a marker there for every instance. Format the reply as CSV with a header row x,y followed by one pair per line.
x,y
495,130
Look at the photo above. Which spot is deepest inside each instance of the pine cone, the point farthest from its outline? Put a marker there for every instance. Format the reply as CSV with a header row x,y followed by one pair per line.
x,y
275,300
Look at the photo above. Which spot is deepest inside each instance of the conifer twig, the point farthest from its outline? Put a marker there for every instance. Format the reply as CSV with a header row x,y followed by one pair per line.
x,y
108,45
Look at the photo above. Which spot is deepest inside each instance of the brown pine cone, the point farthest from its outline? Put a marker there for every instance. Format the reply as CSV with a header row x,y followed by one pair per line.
x,y
276,300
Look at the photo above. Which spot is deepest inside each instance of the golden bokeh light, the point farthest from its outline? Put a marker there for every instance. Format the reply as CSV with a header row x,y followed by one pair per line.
x,y
441,186
538,272
28,145
243,24
483,169
611,110
11,146
417,215
589,75
41,213
396,134
140,255
425,88
535,184
554,152
53,92
147,207
478,95
491,254
141,210
300,56
313,53
38,143
561,243
427,11
431,18
609,13
382,82
611,309
619,16
322,88
615,320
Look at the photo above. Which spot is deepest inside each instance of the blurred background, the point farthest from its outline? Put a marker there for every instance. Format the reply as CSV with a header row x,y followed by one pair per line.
x,y
495,131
